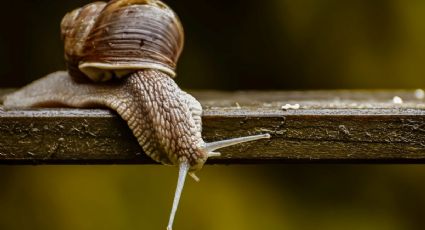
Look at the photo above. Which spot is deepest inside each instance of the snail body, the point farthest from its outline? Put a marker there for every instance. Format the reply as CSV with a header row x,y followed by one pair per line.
x,y
122,55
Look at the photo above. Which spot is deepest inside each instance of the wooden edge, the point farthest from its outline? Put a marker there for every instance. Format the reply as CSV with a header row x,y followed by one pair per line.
x,y
343,134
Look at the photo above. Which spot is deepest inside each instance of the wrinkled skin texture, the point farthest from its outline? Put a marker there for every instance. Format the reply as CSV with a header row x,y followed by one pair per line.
x,y
165,120
129,49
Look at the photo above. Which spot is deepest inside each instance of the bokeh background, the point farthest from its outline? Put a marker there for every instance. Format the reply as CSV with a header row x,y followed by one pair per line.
x,y
232,45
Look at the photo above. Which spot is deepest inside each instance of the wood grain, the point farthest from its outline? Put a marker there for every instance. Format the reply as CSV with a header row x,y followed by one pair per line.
x,y
330,126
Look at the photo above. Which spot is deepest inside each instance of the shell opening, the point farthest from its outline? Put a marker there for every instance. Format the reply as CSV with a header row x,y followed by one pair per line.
x,y
103,72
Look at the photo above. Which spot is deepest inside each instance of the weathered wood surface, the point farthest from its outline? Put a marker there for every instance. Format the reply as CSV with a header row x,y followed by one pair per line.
x,y
329,126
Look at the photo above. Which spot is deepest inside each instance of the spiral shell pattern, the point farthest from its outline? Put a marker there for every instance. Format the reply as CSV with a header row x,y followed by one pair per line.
x,y
111,40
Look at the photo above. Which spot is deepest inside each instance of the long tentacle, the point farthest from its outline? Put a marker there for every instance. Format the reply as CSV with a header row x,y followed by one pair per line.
x,y
210,147
183,170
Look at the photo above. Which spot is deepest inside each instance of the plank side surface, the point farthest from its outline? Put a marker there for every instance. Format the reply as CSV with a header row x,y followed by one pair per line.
x,y
329,126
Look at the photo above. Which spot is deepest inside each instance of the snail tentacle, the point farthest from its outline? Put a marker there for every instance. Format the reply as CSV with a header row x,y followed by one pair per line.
x,y
183,171
211,146
122,55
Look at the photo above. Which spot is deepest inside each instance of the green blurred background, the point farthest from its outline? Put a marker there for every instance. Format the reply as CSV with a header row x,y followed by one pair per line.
x,y
232,45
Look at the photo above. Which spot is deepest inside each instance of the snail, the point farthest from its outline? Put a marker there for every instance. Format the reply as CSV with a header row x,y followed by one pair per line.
x,y
122,55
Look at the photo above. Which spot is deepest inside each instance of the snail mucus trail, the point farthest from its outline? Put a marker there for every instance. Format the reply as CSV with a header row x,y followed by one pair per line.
x,y
122,55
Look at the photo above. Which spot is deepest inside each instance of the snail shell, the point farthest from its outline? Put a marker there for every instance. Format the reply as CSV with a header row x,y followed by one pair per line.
x,y
103,41
141,40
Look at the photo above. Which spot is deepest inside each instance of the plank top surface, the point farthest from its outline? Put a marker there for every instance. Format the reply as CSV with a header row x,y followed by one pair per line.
x,y
329,126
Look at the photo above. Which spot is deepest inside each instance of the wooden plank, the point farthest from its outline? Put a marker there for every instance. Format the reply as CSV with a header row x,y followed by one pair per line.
x,y
329,126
